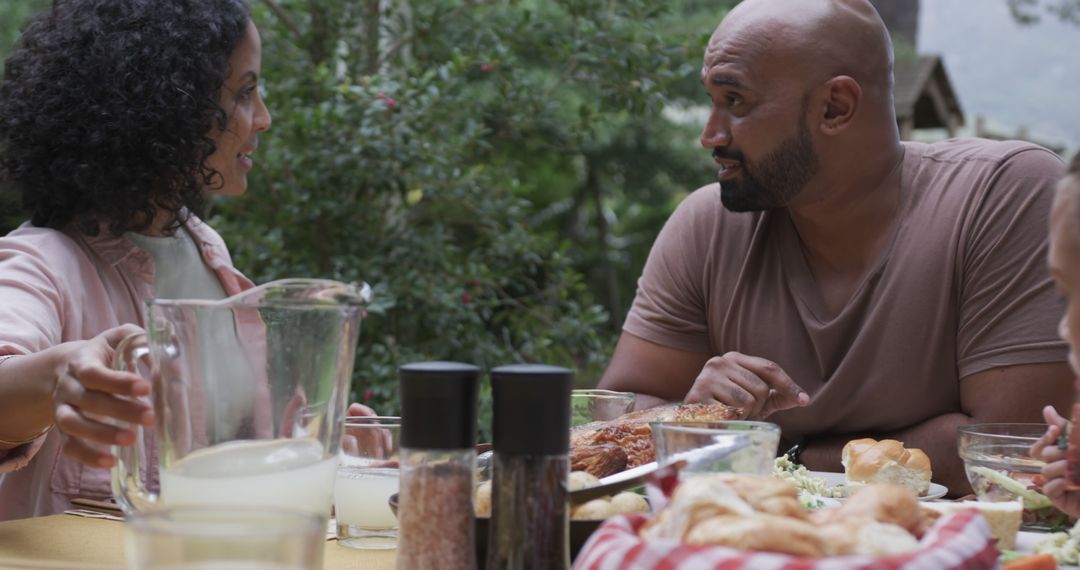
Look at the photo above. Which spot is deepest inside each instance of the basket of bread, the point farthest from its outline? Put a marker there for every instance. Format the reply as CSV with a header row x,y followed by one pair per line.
x,y
736,521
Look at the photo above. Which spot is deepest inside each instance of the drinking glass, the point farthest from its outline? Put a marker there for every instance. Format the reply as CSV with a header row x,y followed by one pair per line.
x,y
736,446
366,477
599,405
225,538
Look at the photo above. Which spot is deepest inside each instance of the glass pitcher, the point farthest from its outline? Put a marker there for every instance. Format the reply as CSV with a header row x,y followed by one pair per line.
x,y
248,392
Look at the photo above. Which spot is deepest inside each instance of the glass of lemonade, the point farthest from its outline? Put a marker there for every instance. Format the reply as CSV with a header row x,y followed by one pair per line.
x,y
366,477
225,538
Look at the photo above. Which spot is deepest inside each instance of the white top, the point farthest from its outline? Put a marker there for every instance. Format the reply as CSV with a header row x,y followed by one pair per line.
x,y
180,272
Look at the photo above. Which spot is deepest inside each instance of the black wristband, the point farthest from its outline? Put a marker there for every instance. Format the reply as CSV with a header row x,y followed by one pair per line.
x,y
794,453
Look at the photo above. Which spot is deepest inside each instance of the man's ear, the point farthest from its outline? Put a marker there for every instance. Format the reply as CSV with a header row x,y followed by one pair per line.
x,y
842,96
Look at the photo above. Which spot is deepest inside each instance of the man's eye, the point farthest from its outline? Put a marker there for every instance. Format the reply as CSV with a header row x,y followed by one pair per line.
x,y
732,100
246,93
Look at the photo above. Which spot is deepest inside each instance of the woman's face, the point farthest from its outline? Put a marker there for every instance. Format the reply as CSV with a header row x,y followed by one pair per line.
x,y
1065,261
247,113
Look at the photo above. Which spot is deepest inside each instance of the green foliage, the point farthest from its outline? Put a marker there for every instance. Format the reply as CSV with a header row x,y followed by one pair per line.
x,y
497,170
13,13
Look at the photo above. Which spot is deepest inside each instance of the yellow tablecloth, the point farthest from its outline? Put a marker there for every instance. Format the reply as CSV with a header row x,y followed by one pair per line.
x,y
91,544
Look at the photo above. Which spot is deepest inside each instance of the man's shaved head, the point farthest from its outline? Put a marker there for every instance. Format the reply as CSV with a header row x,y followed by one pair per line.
x,y
798,87
819,38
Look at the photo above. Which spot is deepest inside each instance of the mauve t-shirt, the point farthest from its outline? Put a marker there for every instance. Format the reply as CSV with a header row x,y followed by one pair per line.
x,y
961,287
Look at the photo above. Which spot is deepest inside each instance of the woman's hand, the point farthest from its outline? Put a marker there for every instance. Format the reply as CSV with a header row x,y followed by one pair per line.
x,y
1054,470
89,398
366,440
1057,425
356,409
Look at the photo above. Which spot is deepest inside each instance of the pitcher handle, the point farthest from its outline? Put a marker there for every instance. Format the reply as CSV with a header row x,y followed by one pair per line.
x,y
128,486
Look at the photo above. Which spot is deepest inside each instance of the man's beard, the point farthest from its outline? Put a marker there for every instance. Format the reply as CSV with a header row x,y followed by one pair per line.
x,y
774,180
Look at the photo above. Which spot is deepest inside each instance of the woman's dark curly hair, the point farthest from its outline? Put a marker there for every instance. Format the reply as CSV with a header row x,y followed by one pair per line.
x,y
106,107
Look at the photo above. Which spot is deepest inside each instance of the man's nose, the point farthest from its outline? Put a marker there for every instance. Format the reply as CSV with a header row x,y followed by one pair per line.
x,y
716,132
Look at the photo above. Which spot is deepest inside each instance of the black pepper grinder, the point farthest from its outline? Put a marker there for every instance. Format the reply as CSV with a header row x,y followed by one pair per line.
x,y
530,523
436,525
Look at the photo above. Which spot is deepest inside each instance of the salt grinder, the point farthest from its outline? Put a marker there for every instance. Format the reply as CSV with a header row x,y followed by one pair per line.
x,y
436,527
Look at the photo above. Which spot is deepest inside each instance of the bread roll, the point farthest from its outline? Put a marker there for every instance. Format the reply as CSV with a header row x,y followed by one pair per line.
x,y
869,461
581,480
594,510
769,533
864,536
885,503
482,505
695,499
766,494
1004,517
627,502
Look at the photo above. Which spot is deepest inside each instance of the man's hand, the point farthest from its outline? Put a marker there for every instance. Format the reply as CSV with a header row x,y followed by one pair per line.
x,y
757,386
88,390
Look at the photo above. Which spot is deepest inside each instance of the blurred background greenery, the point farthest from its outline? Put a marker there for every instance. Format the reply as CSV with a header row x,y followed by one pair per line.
x,y
496,169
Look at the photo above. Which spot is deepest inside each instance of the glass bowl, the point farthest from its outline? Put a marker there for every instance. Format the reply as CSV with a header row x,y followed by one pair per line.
x,y
599,405
999,468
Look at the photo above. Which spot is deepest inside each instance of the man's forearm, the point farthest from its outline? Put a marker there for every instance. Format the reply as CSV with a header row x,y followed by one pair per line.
x,y
936,437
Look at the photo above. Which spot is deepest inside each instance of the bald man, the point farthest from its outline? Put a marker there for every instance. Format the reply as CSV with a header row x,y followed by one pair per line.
x,y
837,281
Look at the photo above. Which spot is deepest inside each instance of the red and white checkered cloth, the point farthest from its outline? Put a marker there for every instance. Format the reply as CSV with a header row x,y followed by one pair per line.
x,y
958,541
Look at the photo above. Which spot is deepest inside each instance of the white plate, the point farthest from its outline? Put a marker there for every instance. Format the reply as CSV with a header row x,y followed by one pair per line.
x,y
833,479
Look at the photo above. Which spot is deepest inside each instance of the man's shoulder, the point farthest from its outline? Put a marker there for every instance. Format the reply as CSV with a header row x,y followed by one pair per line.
x,y
970,171
707,196
978,154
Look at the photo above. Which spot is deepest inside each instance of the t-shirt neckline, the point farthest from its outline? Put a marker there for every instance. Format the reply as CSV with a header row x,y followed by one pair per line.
x,y
801,280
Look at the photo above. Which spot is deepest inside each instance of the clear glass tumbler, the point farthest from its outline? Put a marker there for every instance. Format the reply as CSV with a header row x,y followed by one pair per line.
x,y
599,405
366,477
717,446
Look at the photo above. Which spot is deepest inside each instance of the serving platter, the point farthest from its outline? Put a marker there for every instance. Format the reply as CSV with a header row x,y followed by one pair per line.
x,y
835,479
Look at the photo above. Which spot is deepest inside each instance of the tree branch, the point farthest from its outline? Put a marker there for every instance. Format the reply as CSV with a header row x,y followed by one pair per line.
x,y
406,38
288,22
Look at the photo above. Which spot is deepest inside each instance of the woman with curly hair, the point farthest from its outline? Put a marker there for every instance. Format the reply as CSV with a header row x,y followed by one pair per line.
x,y
116,118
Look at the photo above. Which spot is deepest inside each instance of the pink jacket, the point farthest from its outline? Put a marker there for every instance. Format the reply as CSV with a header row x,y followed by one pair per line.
x,y
57,287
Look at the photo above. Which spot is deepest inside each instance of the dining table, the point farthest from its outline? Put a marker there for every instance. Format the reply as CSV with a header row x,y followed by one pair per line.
x,y
75,541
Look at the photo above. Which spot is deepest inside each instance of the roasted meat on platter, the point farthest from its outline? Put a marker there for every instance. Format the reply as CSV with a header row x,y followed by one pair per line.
x,y
604,448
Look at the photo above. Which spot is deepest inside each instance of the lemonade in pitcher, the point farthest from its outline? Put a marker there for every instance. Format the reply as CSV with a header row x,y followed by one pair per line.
x,y
284,473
